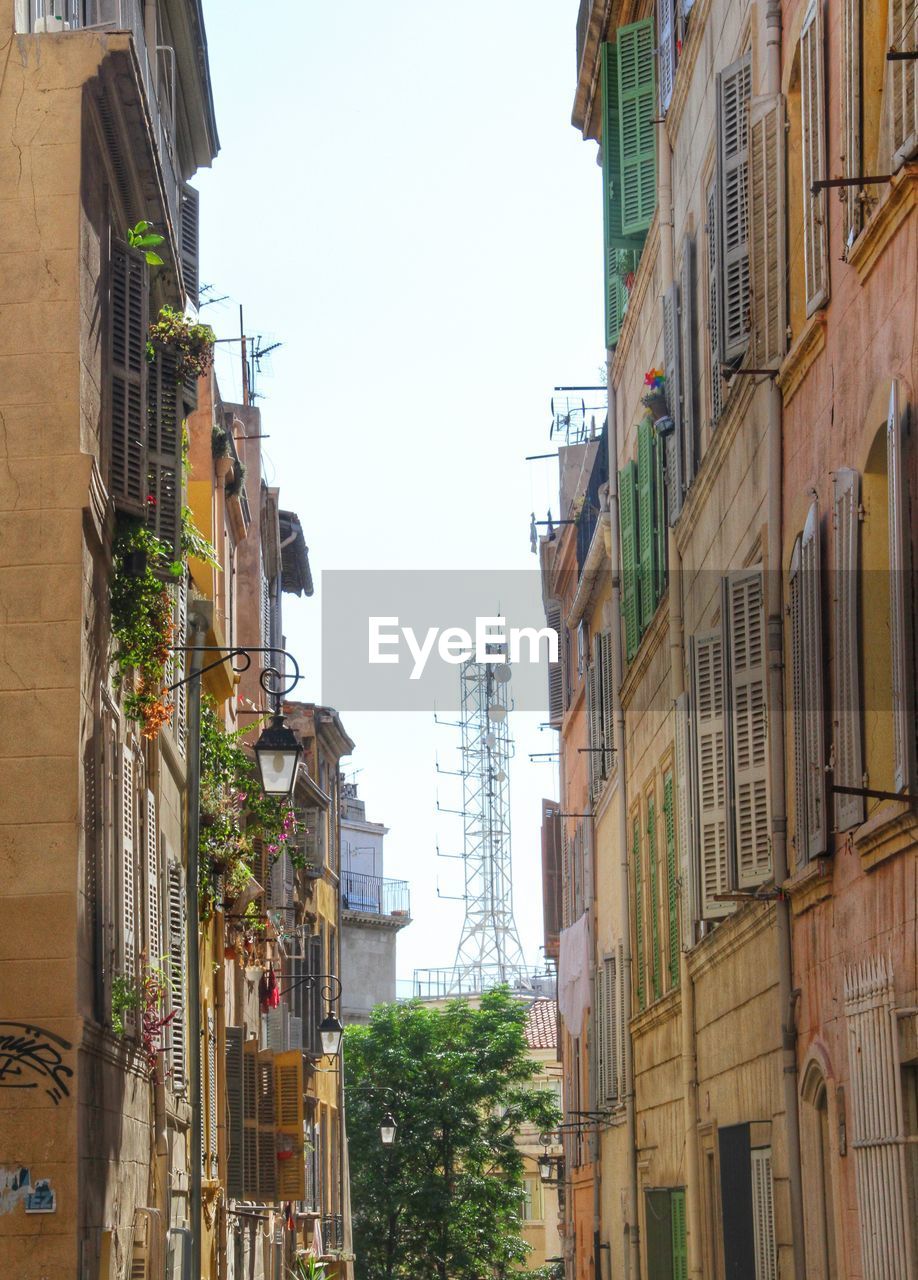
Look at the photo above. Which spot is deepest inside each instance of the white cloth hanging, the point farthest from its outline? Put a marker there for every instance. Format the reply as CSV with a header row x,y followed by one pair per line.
x,y
574,974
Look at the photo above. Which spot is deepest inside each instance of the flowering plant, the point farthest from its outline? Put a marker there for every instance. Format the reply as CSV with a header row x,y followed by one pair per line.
x,y
193,344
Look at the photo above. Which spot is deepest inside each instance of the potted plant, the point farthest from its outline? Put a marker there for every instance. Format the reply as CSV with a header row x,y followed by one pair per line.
x,y
654,397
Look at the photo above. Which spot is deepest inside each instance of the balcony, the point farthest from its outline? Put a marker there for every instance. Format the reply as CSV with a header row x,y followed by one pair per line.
x,y
376,896
592,508
332,1233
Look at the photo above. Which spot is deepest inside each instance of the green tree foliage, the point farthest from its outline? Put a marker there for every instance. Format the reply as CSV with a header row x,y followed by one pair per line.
x,y
446,1200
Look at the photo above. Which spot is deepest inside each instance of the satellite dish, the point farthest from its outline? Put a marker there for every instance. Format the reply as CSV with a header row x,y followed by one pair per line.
x,y
502,673
500,775
496,712
490,740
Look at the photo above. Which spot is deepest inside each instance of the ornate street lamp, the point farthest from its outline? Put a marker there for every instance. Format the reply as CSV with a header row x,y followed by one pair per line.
x,y
331,1033
387,1130
278,753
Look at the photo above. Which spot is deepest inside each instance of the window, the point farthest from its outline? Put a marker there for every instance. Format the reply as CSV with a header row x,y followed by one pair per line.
x,y
128,317
637,872
555,674
851,88
130,939
848,767
672,886
767,270
747,1205
532,1198
664,1217
610,1030
813,136
817,1159
599,708
902,81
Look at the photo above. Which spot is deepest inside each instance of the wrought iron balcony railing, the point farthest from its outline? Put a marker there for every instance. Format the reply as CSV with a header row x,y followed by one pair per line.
x,y
332,1232
375,895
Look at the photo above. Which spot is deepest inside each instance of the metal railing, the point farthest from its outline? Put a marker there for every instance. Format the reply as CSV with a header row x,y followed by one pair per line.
x,y
472,979
332,1232
374,895
590,511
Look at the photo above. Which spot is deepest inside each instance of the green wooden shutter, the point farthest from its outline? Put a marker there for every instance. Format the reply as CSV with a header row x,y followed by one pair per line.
x,y
680,1245
654,897
646,541
638,915
621,252
634,57
627,490
672,895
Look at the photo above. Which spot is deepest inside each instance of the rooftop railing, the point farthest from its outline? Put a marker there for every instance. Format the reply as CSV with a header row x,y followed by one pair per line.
x,y
374,895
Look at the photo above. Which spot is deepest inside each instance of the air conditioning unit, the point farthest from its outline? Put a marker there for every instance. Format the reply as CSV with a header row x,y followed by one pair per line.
x,y
42,26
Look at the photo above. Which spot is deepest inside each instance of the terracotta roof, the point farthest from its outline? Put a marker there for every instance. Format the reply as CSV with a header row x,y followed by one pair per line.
x,y
542,1025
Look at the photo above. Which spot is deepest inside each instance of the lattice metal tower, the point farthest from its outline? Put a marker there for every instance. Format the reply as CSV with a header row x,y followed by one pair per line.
x,y
489,949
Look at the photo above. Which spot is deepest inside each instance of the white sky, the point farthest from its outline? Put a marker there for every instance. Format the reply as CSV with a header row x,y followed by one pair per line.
x,y
401,200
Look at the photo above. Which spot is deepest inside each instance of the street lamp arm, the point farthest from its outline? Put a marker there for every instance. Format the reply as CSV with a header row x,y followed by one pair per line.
x,y
276,683
330,988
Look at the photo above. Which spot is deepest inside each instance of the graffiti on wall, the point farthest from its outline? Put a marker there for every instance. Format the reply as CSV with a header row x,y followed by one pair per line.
x,y
33,1058
17,1187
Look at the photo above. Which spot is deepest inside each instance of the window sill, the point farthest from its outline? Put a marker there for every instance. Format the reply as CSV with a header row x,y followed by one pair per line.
x,y
796,364
889,831
809,886
661,1010
897,202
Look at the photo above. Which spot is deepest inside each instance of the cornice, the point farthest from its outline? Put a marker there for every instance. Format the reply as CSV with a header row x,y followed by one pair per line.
x,y
729,936
662,1010
890,830
810,885
593,566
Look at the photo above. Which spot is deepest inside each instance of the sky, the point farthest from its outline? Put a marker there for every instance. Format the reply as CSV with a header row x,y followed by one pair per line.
x,y
401,201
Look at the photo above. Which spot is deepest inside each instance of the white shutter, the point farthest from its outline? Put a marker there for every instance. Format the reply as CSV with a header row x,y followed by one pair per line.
x,y
177,951
621,1024
276,1029
710,749
666,48
902,80
672,443
733,86
688,410
688,888
128,825
597,1041
555,674
814,747
763,1215
899,597
812,112
154,934
848,769
749,716
798,706
766,230
717,387
851,74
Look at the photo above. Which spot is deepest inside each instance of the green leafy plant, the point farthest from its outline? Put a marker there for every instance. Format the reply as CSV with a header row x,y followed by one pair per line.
x,y
143,237
193,542
192,344
125,997
308,1268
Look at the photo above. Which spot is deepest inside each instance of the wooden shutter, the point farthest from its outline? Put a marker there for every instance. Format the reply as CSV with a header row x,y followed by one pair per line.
x,y
130,941
749,715
714,292
177,951
288,1106
814,749
680,1240
659,517
848,771
212,1088
666,45
634,51
851,77
659,1232
567,909
653,875
250,1120
733,86
736,1201
266,610
594,738
154,942
189,239
688,415
766,231
234,1113
672,444
628,515
555,676
313,1012
164,455
672,889
798,705
143,1246
813,145
902,80
638,913
128,320
622,1007
900,596
646,539
611,1031
608,720
685,819
763,1215
552,882
615,242
710,755
180,718
596,1032
267,1151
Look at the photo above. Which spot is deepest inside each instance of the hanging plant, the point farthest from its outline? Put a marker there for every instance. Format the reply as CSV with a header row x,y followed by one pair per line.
x,y
654,397
192,344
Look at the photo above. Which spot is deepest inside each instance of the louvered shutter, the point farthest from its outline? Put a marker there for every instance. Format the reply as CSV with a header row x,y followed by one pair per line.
x,y
555,677
733,87
234,1113
266,611
659,517
680,1241
902,80
189,239
628,516
672,442
288,1105
614,241
646,532
685,824
634,52
622,1007
848,771
813,146
164,455
154,940
688,409
900,580
142,1246
128,320
313,1013
813,665
610,1086
763,1215
798,705
212,1088
566,909
275,1024
594,702
180,718
666,46
267,1150
851,74
250,1120
608,721
710,756
672,888
598,1040
766,231
177,951
653,875
128,828
749,714
638,914
714,292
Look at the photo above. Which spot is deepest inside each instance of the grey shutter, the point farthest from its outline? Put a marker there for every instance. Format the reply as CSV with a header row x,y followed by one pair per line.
x,y
610,1084
733,86
714,292
164,455
688,418
710,754
666,50
814,748
313,1013
608,733
566,904
555,675
250,1120
128,827
189,240
813,146
234,1113
763,1215
154,940
594,704
128,321
211,1094
848,770
598,1047
902,81
177,951
749,716
798,706
900,579
851,74
685,827
766,231
621,1021
672,443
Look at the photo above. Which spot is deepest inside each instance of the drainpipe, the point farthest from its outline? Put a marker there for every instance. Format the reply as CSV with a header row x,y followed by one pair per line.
x,y
198,625
632,1254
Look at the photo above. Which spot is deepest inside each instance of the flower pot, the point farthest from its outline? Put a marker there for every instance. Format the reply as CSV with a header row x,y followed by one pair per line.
x,y
657,406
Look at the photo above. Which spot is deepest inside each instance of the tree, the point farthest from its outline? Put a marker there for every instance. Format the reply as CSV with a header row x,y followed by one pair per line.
x,y
446,1200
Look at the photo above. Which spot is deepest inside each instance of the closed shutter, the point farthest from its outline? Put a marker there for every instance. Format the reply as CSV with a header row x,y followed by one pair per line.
x,y
847,767
851,155
749,714
266,611
672,890
766,231
798,706
234,1113
813,144
611,1030
143,1245
289,1118
688,417
250,1120
267,1150
313,1012
566,904
128,320
666,38
634,50
646,539
710,756
189,239
555,676
180,718
615,242
275,1025
212,1090
659,1224
902,80
128,825
680,1240
638,913
164,456
733,87
154,940
608,722
654,903
627,481
672,443
813,663
177,951
900,596
763,1215
685,827
593,697
714,292
736,1201
659,517
598,1046
622,1007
